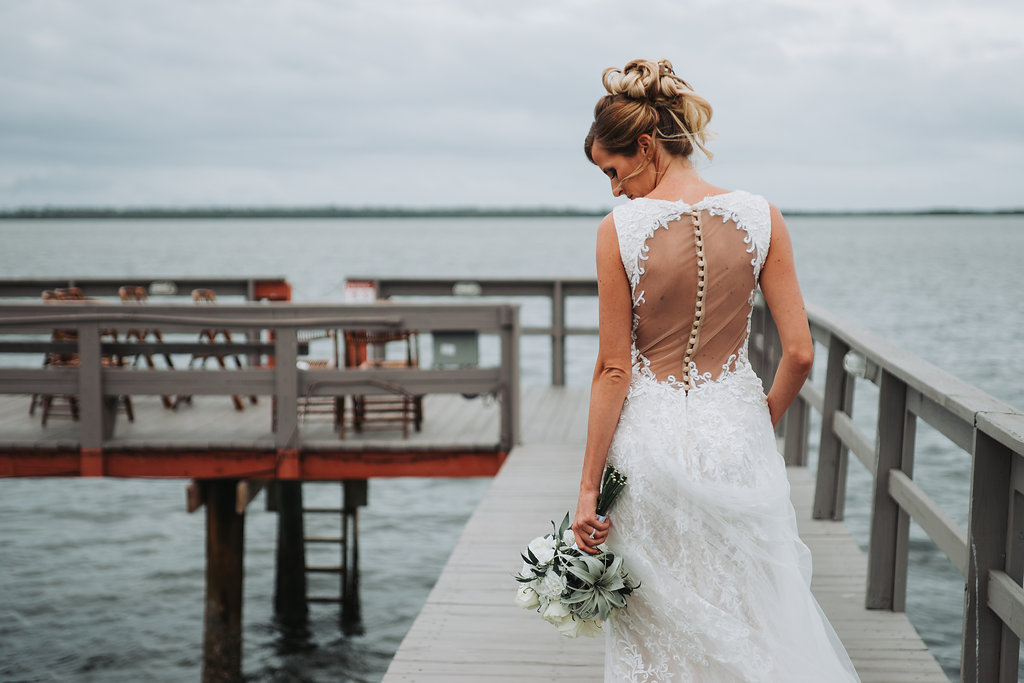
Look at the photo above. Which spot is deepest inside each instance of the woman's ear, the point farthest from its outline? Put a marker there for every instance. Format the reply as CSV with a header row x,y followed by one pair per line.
x,y
645,143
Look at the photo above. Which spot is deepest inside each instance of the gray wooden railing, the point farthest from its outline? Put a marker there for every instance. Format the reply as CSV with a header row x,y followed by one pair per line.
x,y
556,290
990,552
95,383
252,288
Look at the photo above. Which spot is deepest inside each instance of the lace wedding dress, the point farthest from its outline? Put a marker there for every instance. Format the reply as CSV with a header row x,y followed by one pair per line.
x,y
706,524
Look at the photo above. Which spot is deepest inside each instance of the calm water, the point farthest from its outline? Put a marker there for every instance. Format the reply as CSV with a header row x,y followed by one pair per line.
x,y
102,580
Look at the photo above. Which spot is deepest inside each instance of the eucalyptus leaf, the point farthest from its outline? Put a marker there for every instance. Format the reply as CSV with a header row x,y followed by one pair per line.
x,y
564,526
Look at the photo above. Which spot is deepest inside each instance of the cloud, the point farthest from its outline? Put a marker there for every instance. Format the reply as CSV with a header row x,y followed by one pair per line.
x,y
818,104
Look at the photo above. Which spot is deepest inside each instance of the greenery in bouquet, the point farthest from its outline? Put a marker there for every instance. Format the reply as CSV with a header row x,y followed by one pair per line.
x,y
612,483
571,589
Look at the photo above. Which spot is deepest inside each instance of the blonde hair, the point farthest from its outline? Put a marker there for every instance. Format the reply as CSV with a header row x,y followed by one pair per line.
x,y
648,97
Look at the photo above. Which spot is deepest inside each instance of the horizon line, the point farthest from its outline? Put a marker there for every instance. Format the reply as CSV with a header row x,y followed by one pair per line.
x,y
334,211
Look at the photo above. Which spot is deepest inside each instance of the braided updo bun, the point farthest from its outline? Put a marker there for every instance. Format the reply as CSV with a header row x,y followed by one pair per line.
x,y
648,97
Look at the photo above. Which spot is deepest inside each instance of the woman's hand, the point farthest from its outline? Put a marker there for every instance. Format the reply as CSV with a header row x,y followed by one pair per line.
x,y
589,532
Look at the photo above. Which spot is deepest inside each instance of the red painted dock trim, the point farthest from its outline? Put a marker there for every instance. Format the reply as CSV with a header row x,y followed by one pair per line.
x,y
270,464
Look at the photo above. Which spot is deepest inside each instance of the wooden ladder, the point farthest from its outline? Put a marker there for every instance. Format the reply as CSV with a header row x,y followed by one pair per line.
x,y
353,496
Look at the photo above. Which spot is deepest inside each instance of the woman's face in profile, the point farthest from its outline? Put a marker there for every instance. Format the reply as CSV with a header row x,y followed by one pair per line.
x,y
619,166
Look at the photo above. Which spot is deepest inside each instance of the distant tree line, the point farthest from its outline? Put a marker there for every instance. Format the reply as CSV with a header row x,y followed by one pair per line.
x,y
292,212
58,212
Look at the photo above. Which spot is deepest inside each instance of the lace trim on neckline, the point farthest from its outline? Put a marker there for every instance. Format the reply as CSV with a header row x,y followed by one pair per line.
x,y
706,204
707,198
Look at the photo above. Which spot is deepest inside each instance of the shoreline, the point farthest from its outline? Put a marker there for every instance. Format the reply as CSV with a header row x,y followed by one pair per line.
x,y
185,213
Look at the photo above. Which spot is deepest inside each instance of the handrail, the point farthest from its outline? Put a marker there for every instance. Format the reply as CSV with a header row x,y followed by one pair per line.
x,y
990,552
558,290
252,288
93,381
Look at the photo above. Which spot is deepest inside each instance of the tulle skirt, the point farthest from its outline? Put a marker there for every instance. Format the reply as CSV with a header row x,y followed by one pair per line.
x,y
706,526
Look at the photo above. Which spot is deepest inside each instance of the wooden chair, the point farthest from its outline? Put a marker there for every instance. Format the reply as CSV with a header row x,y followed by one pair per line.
x,y
204,297
318,408
66,405
367,350
138,295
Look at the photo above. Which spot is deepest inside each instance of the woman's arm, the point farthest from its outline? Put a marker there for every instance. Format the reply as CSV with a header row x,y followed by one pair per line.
x,y
610,384
782,294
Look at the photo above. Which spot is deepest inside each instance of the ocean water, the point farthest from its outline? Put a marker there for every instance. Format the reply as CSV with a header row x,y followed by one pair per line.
x,y
102,580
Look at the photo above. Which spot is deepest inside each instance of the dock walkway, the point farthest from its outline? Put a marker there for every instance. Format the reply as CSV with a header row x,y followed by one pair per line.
x,y
470,629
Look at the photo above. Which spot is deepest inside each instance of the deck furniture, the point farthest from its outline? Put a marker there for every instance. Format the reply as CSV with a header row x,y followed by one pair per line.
x,y
204,296
365,349
318,408
137,295
67,405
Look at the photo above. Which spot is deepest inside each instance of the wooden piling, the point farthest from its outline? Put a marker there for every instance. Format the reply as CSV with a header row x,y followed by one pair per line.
x,y
290,575
222,629
355,496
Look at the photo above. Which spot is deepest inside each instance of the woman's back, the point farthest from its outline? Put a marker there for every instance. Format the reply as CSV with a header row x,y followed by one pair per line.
x,y
693,271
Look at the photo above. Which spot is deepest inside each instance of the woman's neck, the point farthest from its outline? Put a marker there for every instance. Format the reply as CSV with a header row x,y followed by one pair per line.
x,y
678,179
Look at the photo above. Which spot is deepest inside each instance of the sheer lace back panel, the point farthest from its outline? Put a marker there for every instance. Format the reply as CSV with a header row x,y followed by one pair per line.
x,y
693,271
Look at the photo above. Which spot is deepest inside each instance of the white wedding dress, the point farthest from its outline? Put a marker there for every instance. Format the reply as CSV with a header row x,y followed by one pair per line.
x,y
705,523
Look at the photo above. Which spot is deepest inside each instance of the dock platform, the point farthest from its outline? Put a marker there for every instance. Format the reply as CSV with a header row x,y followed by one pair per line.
x,y
471,630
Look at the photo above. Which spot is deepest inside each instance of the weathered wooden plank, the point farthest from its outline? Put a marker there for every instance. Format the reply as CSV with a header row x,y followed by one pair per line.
x,y
1006,598
814,397
950,538
858,444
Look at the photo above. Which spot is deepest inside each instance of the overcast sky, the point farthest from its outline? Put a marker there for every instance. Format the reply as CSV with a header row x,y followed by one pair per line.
x,y
831,104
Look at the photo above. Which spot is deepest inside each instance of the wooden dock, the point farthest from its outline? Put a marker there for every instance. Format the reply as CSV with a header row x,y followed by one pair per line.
x,y
470,629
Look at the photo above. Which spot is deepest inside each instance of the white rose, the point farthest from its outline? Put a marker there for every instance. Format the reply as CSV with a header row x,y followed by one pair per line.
x,y
570,628
551,586
569,538
526,597
543,548
555,613
591,628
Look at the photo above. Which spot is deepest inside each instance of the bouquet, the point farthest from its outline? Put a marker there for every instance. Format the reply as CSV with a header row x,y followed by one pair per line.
x,y
571,589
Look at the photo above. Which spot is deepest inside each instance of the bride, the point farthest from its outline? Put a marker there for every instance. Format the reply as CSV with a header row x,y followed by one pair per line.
x,y
705,524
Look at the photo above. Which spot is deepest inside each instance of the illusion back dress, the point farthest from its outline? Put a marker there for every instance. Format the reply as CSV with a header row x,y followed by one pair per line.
x,y
706,524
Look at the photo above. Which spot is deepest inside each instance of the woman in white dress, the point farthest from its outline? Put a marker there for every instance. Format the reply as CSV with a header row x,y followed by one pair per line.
x,y
705,523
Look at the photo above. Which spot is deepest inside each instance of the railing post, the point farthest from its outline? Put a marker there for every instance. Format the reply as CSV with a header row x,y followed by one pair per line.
x,y
286,387
510,376
557,334
97,411
797,425
1010,647
890,525
830,489
986,546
